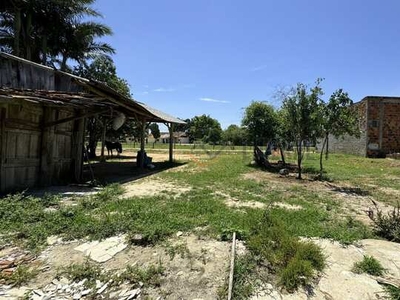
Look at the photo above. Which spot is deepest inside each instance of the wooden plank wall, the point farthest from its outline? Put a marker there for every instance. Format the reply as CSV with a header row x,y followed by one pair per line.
x,y
22,75
32,156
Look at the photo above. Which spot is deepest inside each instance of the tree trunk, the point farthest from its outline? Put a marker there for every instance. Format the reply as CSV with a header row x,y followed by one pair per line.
x,y
28,37
44,51
299,156
64,62
282,154
327,146
320,157
17,31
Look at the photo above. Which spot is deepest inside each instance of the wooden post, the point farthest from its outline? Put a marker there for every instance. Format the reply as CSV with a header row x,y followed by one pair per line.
x,y
103,141
171,142
3,146
79,144
232,268
47,148
142,143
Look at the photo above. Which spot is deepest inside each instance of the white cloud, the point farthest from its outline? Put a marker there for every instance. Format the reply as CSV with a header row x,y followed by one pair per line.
x,y
213,100
161,90
144,93
259,68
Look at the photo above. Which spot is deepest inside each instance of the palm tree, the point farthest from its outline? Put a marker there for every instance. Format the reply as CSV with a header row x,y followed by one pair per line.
x,y
79,43
25,30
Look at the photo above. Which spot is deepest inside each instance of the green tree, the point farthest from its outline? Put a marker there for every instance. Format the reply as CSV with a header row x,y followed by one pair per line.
x,y
302,116
155,130
206,129
261,122
52,31
235,135
338,118
103,69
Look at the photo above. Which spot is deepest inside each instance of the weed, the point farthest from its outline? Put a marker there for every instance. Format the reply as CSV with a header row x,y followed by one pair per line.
x,y
150,276
369,265
386,226
393,292
21,275
132,274
88,270
181,249
297,273
294,261
244,279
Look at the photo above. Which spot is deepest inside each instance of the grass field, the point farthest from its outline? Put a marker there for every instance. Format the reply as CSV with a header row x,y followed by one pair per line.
x,y
220,197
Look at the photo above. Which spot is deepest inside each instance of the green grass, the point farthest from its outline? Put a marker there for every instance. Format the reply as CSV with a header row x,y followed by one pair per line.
x,y
25,221
393,292
369,265
28,221
244,281
295,262
150,276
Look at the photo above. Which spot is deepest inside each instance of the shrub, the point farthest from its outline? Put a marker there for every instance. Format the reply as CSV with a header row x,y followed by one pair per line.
x,y
369,265
298,272
295,261
393,292
386,226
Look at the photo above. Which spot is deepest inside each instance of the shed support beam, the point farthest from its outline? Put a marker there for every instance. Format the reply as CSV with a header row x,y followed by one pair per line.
x,y
171,142
47,149
142,143
74,118
79,144
103,142
3,145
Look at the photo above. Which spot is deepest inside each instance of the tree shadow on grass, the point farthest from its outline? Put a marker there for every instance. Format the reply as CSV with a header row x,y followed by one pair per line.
x,y
350,190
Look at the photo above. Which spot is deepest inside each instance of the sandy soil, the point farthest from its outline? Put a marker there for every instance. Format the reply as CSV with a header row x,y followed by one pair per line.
x,y
353,201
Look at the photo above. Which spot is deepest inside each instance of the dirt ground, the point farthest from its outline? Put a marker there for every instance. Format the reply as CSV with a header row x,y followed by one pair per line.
x,y
194,267
354,202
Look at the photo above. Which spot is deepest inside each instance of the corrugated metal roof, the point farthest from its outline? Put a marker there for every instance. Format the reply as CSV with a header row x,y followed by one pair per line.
x,y
100,95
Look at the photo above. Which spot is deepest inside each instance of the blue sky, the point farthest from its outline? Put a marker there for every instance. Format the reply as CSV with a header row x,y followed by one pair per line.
x,y
189,57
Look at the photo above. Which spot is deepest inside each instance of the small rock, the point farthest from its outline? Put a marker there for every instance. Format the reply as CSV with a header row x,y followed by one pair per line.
x,y
86,292
283,172
123,292
269,286
137,238
134,293
99,284
114,295
102,289
77,296
179,233
180,273
141,284
82,282
64,280
52,240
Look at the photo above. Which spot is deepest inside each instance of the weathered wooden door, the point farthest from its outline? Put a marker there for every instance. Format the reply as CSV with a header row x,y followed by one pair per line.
x,y
20,146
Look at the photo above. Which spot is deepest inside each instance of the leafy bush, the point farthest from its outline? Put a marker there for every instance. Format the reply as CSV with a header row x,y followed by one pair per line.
x,y
369,265
393,292
386,226
295,261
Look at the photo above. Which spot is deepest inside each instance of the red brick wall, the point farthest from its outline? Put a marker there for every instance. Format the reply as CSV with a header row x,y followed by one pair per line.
x,y
383,125
391,128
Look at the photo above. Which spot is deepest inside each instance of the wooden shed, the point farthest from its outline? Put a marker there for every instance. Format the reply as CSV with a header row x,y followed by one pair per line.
x,y
42,122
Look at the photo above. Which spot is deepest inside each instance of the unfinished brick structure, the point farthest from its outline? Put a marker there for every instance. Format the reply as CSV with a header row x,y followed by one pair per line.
x,y
380,129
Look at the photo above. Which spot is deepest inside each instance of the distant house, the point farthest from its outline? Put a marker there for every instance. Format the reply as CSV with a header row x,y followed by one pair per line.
x,y
379,126
179,138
